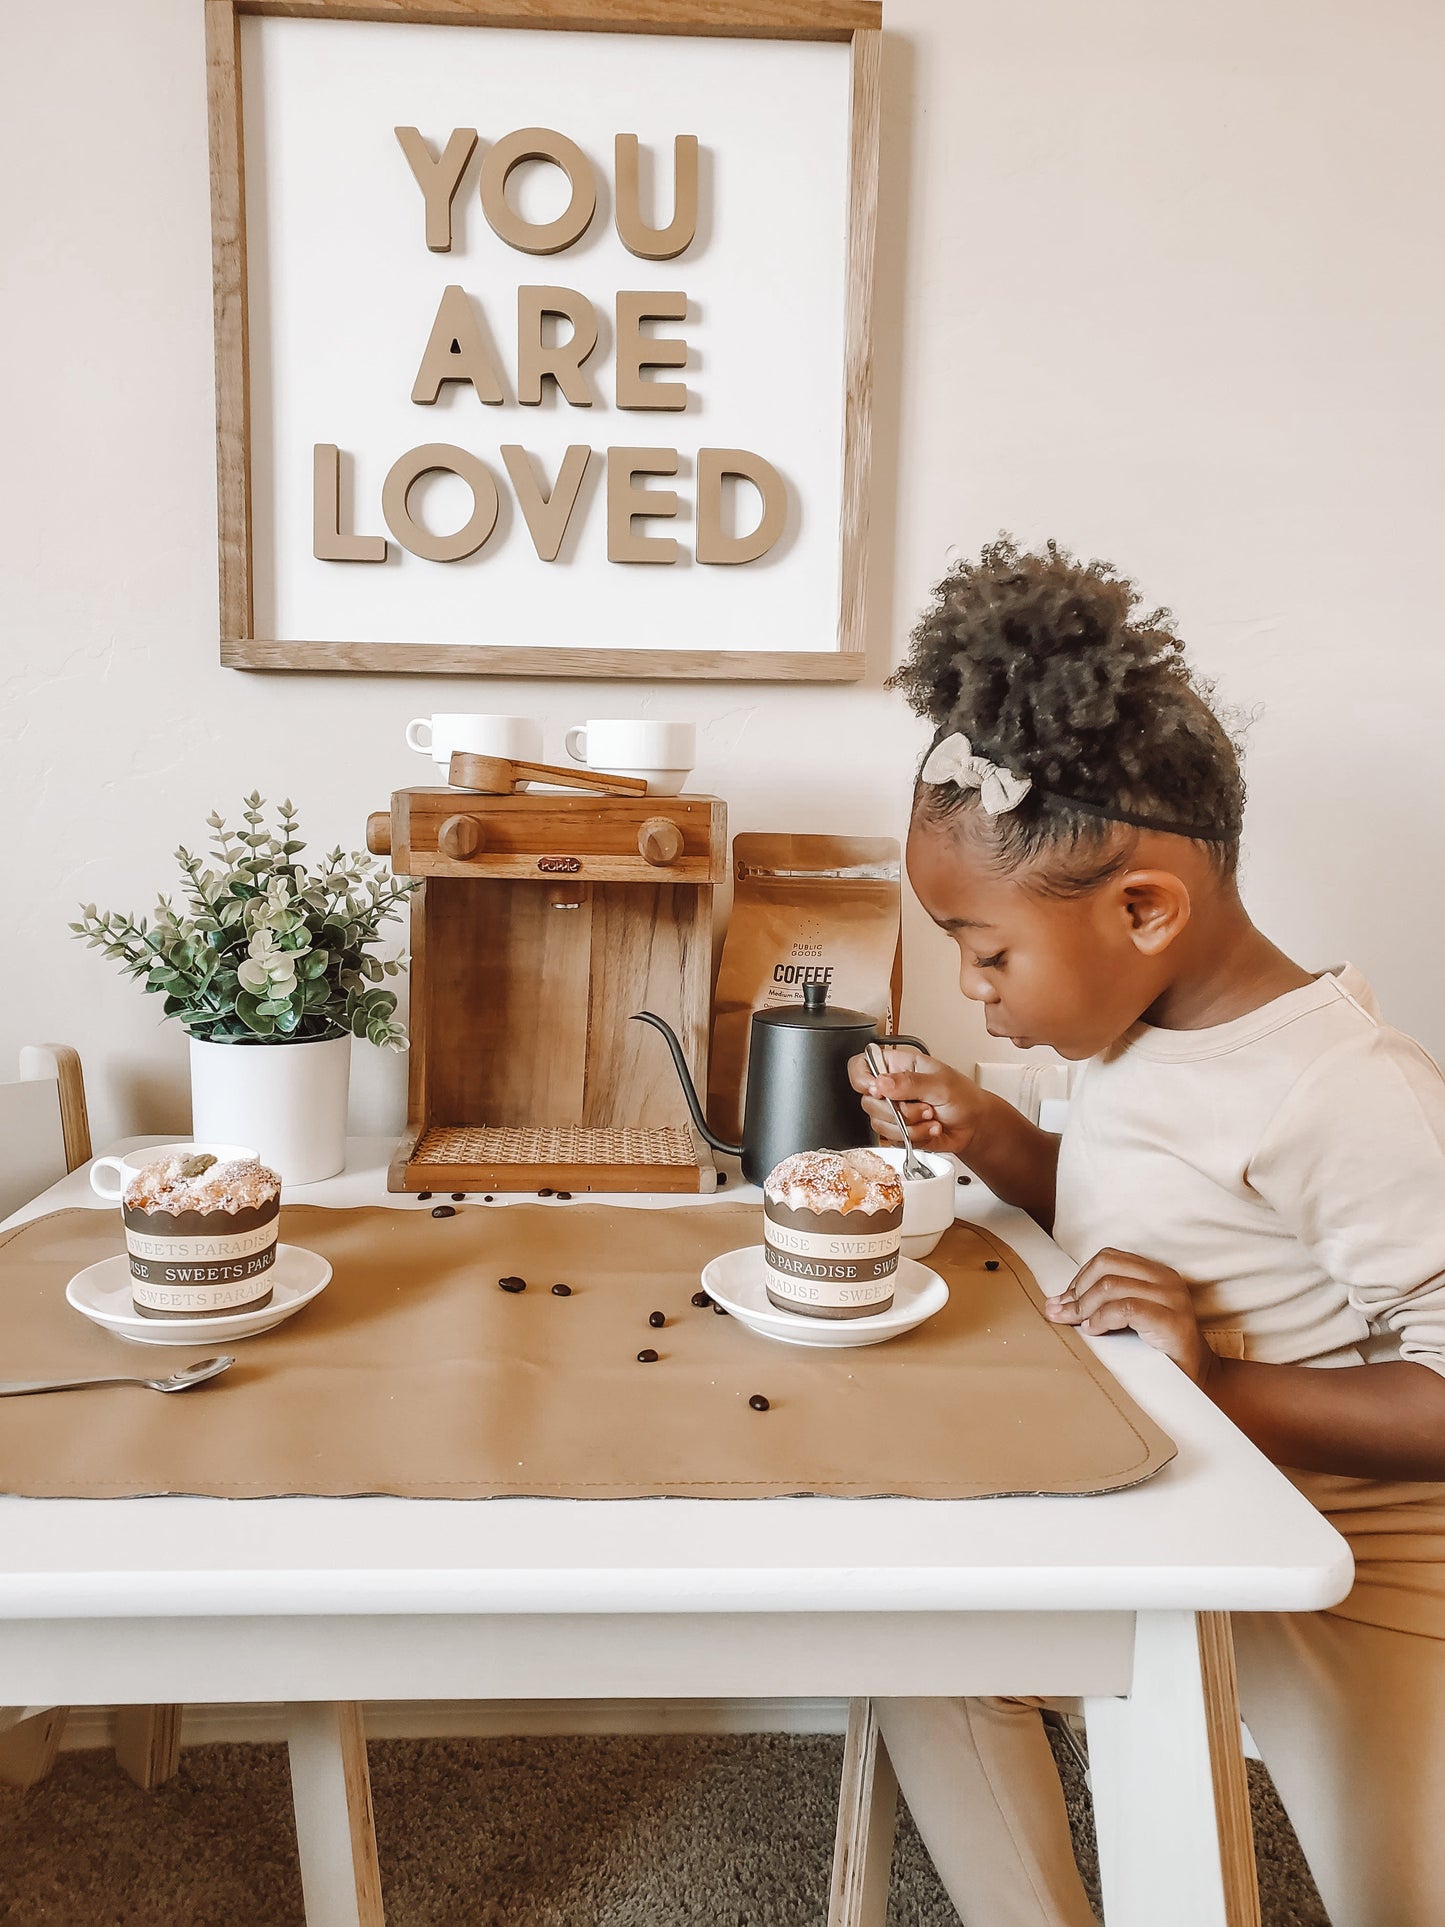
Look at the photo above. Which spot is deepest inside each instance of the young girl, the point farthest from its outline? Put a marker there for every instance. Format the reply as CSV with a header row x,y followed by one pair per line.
x,y
1252,1179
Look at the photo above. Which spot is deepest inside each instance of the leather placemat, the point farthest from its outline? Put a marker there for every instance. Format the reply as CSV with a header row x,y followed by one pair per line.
x,y
413,1374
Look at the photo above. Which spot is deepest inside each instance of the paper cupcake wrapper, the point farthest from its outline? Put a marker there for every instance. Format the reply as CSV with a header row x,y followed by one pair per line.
x,y
197,1264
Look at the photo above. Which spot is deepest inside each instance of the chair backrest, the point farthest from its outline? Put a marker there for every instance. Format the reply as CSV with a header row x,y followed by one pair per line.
x,y
44,1131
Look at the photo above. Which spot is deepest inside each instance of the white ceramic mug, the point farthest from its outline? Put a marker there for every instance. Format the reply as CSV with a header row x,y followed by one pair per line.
x,y
662,753
110,1176
517,737
928,1203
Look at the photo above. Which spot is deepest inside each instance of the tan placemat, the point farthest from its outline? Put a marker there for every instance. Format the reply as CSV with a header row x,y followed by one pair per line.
x,y
413,1374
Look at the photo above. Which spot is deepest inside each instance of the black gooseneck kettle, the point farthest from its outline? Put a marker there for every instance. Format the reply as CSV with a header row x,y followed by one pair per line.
x,y
798,1094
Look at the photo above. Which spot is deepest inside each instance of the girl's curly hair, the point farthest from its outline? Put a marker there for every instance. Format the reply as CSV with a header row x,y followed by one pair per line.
x,y
1051,669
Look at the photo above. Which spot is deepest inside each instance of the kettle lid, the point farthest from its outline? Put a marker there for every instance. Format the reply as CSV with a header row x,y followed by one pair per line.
x,y
815,1013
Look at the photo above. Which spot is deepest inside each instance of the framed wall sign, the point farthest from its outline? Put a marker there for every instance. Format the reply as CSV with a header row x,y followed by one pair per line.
x,y
543,334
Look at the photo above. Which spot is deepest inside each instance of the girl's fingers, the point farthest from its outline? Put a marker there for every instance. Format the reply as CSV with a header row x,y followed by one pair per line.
x,y
1086,1308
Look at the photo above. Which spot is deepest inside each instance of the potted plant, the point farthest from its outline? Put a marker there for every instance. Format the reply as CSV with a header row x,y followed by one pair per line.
x,y
267,964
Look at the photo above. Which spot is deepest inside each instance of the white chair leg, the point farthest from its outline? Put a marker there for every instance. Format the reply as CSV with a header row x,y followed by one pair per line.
x,y
867,1820
28,1747
1170,1803
148,1743
335,1826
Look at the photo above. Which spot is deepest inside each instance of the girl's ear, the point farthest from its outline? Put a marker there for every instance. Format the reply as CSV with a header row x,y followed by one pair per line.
x,y
1156,906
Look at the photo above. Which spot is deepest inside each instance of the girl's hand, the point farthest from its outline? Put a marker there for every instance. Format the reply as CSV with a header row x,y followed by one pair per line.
x,y
1118,1291
941,1107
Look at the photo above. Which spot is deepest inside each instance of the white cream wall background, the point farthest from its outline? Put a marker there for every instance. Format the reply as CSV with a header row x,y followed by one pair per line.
x,y
1166,282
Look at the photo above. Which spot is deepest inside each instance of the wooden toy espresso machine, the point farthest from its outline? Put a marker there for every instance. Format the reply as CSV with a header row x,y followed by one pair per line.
x,y
543,921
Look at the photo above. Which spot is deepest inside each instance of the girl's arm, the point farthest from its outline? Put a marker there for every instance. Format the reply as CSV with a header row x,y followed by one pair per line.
x,y
946,1111
1384,1421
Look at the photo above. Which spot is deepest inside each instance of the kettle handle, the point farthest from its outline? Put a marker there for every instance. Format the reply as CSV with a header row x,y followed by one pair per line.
x,y
917,1043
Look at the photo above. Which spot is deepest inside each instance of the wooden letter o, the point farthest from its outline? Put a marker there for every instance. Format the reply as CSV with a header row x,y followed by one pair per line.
x,y
538,144
408,469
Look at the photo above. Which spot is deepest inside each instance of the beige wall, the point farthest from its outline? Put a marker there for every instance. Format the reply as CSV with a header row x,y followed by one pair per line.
x,y
1163,280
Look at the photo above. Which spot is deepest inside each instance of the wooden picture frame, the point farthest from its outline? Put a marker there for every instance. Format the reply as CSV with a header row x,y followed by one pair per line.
x,y
855,22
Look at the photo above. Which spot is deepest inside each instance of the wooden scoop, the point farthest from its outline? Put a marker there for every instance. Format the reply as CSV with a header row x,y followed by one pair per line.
x,y
500,775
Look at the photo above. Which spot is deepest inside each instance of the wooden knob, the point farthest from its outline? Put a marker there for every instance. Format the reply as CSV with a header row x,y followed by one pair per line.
x,y
660,840
460,836
378,833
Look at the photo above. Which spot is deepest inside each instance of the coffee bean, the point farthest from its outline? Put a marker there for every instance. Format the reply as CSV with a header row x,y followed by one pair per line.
x,y
722,1177
422,1196
759,1403
512,1284
545,1192
489,1199
701,1300
566,1196
964,1178
657,1319
458,1196
721,1310
647,1356
443,1210
990,1264
561,1291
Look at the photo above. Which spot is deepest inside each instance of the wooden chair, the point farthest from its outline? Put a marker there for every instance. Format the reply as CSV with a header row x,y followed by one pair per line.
x,y
44,1132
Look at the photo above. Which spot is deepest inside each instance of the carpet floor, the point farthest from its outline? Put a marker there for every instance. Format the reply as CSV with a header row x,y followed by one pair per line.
x,y
620,1831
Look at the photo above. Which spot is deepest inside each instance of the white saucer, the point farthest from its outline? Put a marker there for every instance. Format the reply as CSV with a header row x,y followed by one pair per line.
x,y
738,1281
101,1293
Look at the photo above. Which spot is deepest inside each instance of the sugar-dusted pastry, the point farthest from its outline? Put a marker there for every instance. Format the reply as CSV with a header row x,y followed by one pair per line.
x,y
833,1223
201,1235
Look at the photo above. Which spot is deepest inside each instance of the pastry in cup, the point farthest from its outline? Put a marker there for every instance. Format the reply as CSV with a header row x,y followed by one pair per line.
x,y
832,1225
200,1234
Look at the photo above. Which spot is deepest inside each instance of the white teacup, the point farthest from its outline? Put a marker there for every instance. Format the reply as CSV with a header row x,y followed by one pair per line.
x,y
928,1203
516,737
661,753
110,1176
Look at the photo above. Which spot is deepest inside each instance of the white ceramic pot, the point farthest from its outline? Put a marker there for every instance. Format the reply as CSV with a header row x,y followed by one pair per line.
x,y
288,1100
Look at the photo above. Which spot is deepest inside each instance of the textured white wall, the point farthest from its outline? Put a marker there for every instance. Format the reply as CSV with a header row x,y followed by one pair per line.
x,y
1164,281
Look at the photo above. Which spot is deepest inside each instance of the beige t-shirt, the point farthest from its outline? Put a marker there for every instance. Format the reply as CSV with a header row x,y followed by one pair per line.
x,y
1290,1164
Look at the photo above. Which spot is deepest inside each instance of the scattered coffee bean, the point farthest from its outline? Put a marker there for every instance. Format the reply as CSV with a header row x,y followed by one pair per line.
x,y
422,1196
964,1178
443,1210
722,1177
561,1291
489,1199
458,1196
759,1403
657,1319
565,1196
990,1264
721,1310
545,1192
512,1284
647,1356
701,1300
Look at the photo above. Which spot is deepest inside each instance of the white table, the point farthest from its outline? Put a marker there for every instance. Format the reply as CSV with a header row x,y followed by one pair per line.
x,y
327,1603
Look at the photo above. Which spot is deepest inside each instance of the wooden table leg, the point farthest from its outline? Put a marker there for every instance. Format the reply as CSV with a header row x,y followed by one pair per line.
x,y
867,1819
28,1747
335,1826
1171,1803
148,1743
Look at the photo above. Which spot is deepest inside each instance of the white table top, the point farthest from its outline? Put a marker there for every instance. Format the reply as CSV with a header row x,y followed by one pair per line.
x,y
1218,1529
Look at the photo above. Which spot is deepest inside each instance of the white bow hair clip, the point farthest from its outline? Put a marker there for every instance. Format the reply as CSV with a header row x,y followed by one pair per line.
x,y
953,761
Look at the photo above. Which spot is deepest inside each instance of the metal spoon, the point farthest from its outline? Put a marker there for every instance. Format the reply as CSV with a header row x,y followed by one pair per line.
x,y
180,1381
913,1165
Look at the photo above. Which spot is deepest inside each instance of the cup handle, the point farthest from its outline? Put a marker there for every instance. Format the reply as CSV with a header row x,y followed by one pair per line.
x,y
100,1170
413,730
572,739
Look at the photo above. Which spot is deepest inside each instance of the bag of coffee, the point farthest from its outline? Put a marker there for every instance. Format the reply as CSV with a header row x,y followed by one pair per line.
x,y
806,910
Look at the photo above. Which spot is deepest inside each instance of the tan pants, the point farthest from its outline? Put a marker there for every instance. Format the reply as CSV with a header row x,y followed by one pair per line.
x,y
1351,1722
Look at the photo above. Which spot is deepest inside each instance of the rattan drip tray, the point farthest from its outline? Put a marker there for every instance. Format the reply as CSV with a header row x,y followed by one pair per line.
x,y
552,1144
523,1157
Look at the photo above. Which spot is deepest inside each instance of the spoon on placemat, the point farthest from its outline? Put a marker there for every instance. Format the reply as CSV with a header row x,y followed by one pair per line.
x,y
913,1165
180,1381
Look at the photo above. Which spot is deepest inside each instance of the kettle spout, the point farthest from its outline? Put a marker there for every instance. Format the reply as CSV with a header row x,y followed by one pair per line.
x,y
689,1090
